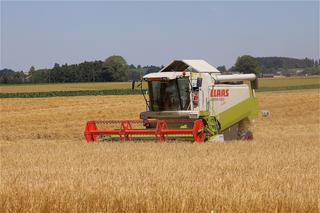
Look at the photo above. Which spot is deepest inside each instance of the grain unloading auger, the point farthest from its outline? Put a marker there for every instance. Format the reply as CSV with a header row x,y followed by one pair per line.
x,y
188,100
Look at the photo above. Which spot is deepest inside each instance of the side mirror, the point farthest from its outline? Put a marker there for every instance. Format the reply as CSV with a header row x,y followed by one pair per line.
x,y
199,82
255,84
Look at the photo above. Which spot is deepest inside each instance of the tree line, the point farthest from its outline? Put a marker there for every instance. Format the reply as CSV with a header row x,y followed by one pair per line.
x,y
275,65
115,68
286,63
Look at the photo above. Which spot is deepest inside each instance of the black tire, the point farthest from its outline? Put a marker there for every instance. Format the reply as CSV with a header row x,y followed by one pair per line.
x,y
244,132
247,135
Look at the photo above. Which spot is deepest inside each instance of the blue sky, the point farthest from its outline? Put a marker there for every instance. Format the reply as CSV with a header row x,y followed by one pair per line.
x,y
43,33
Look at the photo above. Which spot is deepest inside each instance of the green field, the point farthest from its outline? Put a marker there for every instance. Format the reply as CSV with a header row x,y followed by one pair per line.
x,y
15,88
124,88
288,81
23,88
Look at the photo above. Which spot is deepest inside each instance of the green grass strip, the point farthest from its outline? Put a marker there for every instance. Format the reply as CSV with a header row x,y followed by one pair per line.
x,y
70,93
127,92
295,87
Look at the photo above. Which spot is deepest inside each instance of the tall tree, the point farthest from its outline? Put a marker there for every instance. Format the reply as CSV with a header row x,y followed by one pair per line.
x,y
247,64
115,68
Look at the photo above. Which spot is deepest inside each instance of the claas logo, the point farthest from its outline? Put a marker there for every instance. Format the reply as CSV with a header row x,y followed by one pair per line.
x,y
220,93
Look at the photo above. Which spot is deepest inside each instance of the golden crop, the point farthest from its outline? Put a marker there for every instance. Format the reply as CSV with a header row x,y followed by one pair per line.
x,y
46,165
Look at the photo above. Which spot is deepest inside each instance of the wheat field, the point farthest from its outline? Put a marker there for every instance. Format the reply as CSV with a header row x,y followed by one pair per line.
x,y
46,166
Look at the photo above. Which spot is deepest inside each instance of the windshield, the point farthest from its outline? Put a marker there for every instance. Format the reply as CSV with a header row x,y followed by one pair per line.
x,y
170,95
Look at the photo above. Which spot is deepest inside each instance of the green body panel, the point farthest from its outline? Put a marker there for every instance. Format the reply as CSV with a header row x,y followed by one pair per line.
x,y
210,122
246,109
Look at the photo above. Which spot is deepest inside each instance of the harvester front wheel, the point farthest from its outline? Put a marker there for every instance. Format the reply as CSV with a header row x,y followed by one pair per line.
x,y
246,135
244,132
198,131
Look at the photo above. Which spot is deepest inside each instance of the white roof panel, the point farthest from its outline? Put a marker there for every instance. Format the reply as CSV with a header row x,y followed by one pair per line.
x,y
201,65
190,65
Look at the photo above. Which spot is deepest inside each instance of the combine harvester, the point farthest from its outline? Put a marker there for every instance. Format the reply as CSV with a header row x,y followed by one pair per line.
x,y
188,100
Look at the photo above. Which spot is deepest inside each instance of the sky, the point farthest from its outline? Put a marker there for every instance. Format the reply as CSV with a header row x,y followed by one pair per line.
x,y
155,33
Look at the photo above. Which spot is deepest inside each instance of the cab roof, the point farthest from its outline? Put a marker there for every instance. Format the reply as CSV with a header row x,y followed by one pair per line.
x,y
200,66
